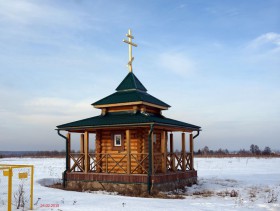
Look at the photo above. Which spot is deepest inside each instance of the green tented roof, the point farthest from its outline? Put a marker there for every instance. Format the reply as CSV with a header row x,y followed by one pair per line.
x,y
130,96
131,82
130,90
125,118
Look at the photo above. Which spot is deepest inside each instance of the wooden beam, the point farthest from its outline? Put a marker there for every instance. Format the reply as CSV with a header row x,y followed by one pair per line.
x,y
128,151
131,103
82,148
183,152
69,149
98,150
152,150
82,143
191,151
139,149
163,151
172,152
86,143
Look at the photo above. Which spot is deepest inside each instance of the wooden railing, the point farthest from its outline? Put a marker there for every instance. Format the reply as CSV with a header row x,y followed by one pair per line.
x,y
77,162
108,163
175,161
157,162
118,162
142,160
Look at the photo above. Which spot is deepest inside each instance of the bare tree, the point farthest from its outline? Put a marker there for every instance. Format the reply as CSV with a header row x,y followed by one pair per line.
x,y
19,197
205,150
267,151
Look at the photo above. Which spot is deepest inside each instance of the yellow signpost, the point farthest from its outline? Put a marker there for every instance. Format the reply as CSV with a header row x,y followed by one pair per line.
x,y
15,174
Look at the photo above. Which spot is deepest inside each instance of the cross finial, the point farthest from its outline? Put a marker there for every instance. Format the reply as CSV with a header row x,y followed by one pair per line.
x,y
130,44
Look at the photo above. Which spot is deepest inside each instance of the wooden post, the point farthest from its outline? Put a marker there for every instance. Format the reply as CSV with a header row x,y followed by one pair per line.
x,y
139,150
163,151
82,150
172,153
152,150
86,140
69,149
183,152
98,151
145,149
128,151
191,151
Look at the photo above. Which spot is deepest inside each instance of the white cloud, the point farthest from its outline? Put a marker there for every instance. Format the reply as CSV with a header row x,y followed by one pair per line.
x,y
268,41
264,50
177,63
54,106
32,12
46,111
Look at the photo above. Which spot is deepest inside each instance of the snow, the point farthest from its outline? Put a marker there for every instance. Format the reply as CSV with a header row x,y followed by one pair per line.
x,y
255,180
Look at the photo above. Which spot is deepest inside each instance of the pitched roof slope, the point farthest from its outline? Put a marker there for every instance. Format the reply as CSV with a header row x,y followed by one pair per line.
x,y
131,82
130,90
130,96
126,118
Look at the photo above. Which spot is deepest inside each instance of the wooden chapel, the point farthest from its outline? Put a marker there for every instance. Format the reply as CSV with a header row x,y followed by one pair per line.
x,y
132,138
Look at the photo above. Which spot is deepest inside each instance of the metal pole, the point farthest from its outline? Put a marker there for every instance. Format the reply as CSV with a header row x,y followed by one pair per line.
x,y
10,186
32,188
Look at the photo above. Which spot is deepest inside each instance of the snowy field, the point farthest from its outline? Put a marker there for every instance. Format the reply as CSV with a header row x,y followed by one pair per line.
x,y
255,182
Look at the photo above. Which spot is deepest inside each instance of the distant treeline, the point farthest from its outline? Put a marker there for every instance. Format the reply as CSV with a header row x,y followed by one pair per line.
x,y
53,153
253,151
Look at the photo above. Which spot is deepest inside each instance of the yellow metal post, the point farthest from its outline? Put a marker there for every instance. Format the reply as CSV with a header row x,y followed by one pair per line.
x,y
31,188
10,185
9,173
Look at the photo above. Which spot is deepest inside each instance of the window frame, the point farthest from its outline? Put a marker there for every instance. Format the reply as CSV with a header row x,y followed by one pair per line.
x,y
114,135
117,135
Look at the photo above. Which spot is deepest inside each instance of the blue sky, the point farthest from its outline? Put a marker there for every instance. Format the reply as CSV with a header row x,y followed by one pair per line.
x,y
215,62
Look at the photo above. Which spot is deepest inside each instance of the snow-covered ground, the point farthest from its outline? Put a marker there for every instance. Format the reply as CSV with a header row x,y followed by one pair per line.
x,y
255,182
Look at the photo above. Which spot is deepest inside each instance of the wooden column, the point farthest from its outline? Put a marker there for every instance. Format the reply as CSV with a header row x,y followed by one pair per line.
x,y
98,151
163,151
152,151
172,152
68,150
128,151
183,152
82,143
86,141
191,151
139,149
82,150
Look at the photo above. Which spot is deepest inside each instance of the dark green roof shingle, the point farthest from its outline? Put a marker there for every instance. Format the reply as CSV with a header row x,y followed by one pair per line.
x,y
131,82
125,118
130,96
130,90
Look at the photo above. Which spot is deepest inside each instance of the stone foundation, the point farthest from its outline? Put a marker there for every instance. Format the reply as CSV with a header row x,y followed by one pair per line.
x,y
130,183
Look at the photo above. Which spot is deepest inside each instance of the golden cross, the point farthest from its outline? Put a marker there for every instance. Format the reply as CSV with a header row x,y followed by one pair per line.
x,y
130,44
